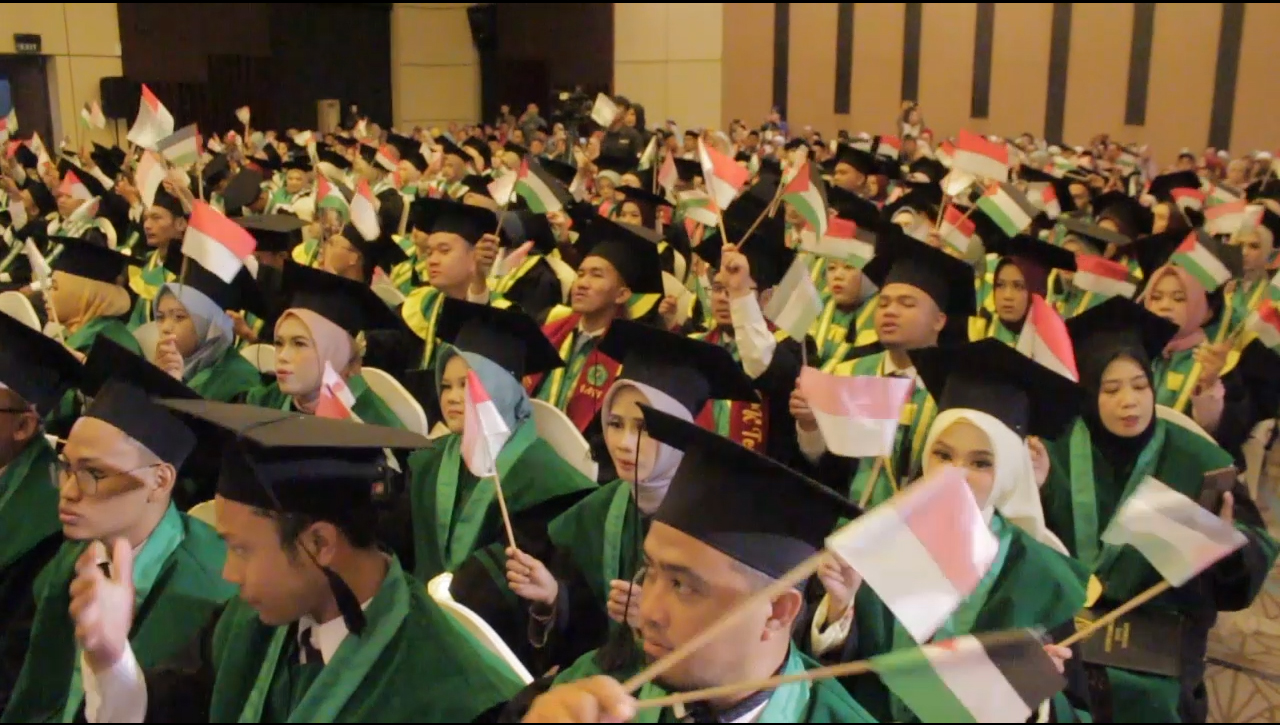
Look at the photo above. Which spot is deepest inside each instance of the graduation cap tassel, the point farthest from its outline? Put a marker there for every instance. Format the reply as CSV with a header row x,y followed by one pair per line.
x,y
348,605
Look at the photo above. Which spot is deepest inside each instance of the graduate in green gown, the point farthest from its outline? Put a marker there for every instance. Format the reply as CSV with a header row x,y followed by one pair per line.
x,y
732,521
993,404
1023,271
86,298
325,325
584,590
35,372
1116,444
1082,238
1244,294
164,223
848,318
197,336
327,627
115,476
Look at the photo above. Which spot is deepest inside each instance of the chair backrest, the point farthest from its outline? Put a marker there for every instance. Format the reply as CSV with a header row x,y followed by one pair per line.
x,y
438,590
397,398
1254,450
17,306
392,296
148,337
556,429
205,512
1169,415
262,356
564,273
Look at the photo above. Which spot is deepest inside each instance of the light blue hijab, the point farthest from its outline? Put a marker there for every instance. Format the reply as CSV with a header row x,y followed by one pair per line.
x,y
504,390
215,332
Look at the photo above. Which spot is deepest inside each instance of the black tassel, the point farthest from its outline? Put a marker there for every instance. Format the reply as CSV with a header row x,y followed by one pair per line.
x,y
348,605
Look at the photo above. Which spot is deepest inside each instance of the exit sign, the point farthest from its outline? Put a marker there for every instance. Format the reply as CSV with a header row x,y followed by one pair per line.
x,y
26,43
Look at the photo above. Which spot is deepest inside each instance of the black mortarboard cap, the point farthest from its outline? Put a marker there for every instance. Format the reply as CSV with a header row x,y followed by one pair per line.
x,y
1156,250
691,371
349,304
108,360
994,378
89,180
925,199
766,249
1098,237
509,338
476,184
41,195
449,148
688,169
515,148
523,225
1128,213
130,409
854,208
216,170
643,196
1163,185
274,232
453,217
91,261
561,171
860,160
616,164
1271,222
242,294
481,147
733,499
34,365
169,202
107,160
243,189
634,256
301,162
1117,324
1044,255
334,158
901,259
25,157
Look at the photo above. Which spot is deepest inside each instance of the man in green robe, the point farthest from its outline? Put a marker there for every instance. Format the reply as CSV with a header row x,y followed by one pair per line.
x,y
35,372
716,539
327,628
116,476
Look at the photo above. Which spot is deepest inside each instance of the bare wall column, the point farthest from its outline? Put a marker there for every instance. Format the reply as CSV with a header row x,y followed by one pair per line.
x,y
669,57
435,69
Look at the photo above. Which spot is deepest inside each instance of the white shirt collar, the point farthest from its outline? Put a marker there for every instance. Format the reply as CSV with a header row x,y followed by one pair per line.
x,y
325,637
680,713
891,369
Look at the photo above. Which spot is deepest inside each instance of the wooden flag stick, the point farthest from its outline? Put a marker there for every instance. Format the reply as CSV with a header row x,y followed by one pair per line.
x,y
787,581
871,482
502,506
942,212
1099,624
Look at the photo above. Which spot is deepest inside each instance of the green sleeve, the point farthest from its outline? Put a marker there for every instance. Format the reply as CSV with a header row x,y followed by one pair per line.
x,y
232,377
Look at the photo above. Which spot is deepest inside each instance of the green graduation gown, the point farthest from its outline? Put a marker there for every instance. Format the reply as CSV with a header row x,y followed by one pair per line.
x,y
227,379
1081,495
178,576
32,535
368,405
146,282
838,331
1030,585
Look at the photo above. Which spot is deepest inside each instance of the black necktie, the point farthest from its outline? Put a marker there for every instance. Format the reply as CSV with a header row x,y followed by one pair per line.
x,y
308,653
702,712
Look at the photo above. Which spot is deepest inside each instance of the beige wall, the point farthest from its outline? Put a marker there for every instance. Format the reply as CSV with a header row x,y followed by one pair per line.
x,y
435,69
668,56
1180,92
83,42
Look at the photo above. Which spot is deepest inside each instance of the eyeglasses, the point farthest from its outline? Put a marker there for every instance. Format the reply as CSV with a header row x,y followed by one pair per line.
x,y
87,480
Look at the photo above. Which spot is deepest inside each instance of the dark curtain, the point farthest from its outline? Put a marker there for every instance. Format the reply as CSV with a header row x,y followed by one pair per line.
x,y
561,44
29,91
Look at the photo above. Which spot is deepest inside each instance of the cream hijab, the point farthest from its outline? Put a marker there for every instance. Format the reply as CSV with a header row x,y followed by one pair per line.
x,y
651,491
1014,493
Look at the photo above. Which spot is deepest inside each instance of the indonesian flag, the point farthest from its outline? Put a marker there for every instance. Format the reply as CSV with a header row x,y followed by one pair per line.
x,y
668,175
1200,262
1044,339
1042,196
149,176
888,147
1102,276
242,115
806,194
980,157
1263,322
858,416
723,176
153,123
364,212
957,230
73,187
1188,198
217,243
1228,218
922,551
839,242
336,400
484,432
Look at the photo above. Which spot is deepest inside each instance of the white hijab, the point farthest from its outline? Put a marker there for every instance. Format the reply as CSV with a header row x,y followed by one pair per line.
x,y
651,491
1014,493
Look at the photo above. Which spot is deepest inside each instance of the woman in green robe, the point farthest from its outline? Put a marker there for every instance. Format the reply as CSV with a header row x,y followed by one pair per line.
x,y
1021,273
848,318
991,399
1117,444
197,338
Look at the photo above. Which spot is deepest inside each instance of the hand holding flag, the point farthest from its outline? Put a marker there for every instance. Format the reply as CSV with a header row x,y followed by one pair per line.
x,y
859,415
484,433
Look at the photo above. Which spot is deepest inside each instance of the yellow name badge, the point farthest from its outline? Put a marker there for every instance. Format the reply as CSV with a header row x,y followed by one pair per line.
x,y
908,414
1174,381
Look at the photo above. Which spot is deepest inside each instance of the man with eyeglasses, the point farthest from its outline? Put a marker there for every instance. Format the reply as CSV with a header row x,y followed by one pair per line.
x,y
115,478
35,372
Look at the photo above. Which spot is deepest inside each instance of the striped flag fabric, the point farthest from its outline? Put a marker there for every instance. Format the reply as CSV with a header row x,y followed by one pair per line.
x,y
1103,276
85,213
484,432
1263,323
696,205
1229,217
364,212
989,677
723,176
795,305
1007,207
957,182
1185,198
946,153
939,548
888,147
243,115
604,110
336,399
181,148
217,243
40,269
957,229
668,175
503,188
982,158
93,116
153,123
329,197
1194,256
841,241
388,158
1216,194
806,193
1044,339
73,187
1176,535
539,189
149,176
1042,196
858,416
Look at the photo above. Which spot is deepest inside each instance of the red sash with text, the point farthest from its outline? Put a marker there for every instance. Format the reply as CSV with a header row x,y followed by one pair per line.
x,y
740,422
578,388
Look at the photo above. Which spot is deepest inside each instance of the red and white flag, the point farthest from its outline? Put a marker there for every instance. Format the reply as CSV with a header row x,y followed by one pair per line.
x,y
980,157
364,212
336,399
723,176
153,123
73,187
484,432
1228,218
668,175
1044,339
149,176
957,229
858,416
217,243
1264,323
888,147
922,551
243,115
1102,276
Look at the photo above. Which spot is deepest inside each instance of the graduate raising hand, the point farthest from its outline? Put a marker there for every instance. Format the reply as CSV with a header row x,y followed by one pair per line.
x,y
102,605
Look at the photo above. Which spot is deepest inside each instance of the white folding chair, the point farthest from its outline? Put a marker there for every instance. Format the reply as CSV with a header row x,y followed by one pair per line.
x,y
389,295
205,512
17,306
564,273
262,356
1169,415
556,429
399,400
438,589
148,337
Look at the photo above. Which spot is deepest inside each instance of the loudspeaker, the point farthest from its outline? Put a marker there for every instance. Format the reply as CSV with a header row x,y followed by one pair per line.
x,y
120,97
484,25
